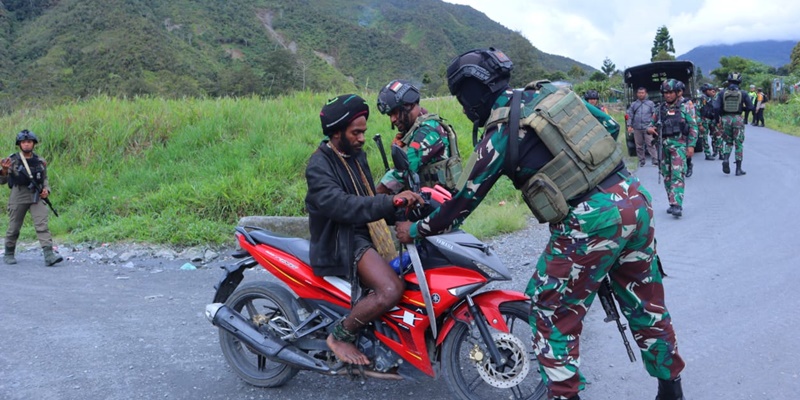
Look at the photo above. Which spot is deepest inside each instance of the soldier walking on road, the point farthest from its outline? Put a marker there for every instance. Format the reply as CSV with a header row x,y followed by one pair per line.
x,y
707,126
729,104
23,172
678,136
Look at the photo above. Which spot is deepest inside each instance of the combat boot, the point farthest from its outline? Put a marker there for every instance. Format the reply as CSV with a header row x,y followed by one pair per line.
x,y
51,257
711,156
677,211
739,171
670,390
689,166
8,257
726,166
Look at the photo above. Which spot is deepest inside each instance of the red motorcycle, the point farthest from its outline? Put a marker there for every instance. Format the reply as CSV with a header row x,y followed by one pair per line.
x,y
479,342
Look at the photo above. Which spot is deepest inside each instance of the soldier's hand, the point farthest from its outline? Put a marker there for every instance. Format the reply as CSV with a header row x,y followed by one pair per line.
x,y
690,151
44,193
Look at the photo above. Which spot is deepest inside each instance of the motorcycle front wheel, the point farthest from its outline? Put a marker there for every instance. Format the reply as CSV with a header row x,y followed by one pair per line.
x,y
268,306
470,373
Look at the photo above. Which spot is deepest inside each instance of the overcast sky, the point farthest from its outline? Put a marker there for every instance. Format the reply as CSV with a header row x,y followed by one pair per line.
x,y
623,30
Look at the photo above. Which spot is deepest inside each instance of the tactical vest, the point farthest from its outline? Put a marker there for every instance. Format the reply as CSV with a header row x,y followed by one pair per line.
x,y
584,153
732,101
445,172
672,122
18,175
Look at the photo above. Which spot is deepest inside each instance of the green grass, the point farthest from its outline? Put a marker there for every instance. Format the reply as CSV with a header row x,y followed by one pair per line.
x,y
183,172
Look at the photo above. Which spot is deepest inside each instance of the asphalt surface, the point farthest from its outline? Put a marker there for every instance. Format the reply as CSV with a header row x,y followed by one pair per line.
x,y
136,330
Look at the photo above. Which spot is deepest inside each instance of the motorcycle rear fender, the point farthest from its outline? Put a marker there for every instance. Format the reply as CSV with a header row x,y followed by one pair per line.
x,y
231,278
489,304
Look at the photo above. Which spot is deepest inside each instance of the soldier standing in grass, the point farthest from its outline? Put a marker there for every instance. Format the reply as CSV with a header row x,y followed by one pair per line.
x,y
20,171
678,136
709,119
430,143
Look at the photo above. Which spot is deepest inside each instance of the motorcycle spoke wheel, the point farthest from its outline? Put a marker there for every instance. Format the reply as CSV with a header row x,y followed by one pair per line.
x,y
470,373
267,306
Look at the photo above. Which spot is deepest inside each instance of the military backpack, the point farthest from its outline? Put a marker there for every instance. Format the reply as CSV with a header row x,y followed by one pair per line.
x,y
732,101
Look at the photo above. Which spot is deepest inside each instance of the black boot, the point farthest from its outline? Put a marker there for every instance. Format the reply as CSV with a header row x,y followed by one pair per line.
x,y
688,167
711,156
739,171
8,257
726,166
670,390
677,211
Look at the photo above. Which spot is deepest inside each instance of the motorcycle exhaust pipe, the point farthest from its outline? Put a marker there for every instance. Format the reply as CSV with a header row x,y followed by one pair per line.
x,y
264,343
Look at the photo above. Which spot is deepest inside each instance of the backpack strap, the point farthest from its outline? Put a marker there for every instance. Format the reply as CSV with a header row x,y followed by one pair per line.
x,y
512,150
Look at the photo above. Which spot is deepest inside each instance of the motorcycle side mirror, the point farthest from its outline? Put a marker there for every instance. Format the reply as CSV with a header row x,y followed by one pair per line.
x,y
399,158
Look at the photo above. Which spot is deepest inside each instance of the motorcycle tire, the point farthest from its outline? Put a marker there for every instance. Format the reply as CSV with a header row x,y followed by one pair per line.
x,y
467,366
268,306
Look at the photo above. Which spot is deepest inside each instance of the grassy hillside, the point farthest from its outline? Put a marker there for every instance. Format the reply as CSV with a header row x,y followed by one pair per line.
x,y
57,51
185,171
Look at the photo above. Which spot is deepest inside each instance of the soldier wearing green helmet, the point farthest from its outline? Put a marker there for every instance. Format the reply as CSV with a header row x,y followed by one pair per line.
x,y
675,127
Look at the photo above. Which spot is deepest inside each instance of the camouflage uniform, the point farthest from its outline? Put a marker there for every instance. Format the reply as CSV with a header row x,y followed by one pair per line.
x,y
21,199
426,143
707,127
732,128
673,148
610,231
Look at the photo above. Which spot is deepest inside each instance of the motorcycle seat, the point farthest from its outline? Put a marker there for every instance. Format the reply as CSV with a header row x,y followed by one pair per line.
x,y
297,247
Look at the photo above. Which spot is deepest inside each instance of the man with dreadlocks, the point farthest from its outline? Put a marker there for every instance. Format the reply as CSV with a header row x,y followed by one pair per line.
x,y
341,204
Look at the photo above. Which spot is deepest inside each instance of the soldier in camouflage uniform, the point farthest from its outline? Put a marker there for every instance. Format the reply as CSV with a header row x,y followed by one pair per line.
x,y
19,176
608,230
709,120
431,144
677,135
730,113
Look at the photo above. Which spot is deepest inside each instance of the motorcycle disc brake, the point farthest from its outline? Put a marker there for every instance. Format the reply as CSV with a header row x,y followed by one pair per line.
x,y
513,372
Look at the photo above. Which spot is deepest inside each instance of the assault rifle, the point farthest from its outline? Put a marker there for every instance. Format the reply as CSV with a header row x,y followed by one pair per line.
x,y
379,141
37,190
612,314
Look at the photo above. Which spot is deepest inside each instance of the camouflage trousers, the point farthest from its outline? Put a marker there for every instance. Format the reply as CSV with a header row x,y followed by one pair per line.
x,y
673,167
610,234
709,132
732,136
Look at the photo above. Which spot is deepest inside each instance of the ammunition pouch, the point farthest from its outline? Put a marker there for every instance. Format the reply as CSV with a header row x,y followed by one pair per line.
x,y
445,173
546,201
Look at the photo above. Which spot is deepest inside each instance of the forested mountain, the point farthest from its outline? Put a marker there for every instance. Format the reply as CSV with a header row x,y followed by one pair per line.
x,y
52,50
774,53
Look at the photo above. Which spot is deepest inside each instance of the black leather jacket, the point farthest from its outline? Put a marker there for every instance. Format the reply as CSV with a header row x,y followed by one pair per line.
x,y
335,210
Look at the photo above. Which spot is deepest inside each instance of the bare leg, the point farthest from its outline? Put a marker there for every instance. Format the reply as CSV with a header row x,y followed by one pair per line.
x,y
376,274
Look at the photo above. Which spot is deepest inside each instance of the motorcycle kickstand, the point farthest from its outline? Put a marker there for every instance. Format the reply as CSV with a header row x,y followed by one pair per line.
x,y
483,328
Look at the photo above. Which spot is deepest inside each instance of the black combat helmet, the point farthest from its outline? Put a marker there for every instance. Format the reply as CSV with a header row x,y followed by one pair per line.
x,y
476,78
591,94
680,87
735,77
395,94
26,135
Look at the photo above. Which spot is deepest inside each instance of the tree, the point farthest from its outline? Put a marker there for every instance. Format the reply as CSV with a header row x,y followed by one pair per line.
x,y
794,64
576,72
598,76
608,67
662,46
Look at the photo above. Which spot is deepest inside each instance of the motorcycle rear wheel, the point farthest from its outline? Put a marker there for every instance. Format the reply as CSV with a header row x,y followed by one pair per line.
x,y
268,306
471,376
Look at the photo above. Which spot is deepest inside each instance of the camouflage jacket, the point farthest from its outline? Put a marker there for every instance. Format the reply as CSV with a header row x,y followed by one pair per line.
x,y
425,143
687,111
490,155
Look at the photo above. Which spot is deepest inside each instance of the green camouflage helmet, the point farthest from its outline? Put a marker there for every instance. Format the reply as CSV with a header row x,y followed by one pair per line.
x,y
670,85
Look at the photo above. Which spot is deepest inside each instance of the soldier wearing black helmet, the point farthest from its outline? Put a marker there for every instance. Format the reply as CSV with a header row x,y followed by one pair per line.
x,y
593,97
677,136
708,122
606,227
680,88
20,171
430,143
729,104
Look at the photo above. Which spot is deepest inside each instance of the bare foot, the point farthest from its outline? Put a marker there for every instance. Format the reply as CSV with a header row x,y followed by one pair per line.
x,y
346,352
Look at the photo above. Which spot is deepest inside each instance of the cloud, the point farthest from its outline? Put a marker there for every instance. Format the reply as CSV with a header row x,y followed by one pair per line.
x,y
623,31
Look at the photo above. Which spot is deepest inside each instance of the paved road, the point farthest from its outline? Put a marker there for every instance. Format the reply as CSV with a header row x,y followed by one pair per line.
x,y
87,331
